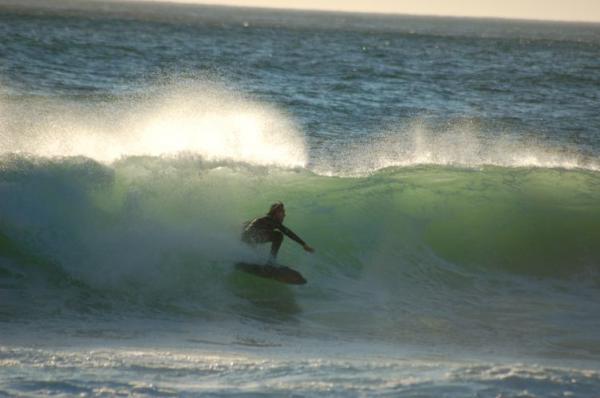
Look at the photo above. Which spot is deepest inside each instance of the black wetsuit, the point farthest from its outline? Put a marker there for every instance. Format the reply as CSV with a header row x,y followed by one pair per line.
x,y
267,229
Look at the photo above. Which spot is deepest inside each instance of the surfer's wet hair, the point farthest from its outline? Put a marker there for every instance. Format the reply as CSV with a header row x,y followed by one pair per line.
x,y
274,208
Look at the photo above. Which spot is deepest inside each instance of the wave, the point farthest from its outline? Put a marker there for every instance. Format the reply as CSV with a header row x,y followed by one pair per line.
x,y
105,223
419,254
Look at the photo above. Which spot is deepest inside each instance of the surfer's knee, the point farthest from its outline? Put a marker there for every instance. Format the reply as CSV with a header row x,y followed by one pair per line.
x,y
277,237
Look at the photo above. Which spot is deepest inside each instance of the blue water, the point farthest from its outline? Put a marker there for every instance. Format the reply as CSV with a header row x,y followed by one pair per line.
x,y
446,171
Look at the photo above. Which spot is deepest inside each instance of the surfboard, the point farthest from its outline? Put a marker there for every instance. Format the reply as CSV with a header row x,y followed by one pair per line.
x,y
279,273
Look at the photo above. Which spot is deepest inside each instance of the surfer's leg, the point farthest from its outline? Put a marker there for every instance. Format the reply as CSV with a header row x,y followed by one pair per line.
x,y
276,239
254,236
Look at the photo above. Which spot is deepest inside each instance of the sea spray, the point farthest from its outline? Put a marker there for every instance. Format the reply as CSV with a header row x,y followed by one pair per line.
x,y
195,117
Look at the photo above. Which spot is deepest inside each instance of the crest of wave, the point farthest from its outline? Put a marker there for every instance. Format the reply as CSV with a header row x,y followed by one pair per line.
x,y
460,144
188,117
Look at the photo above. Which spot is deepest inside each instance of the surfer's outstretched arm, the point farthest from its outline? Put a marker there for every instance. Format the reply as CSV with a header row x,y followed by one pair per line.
x,y
288,232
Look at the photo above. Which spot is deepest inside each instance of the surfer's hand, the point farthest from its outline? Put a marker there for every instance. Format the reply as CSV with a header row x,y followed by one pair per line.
x,y
309,249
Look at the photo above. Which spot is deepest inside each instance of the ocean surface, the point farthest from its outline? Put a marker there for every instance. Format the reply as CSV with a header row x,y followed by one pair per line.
x,y
446,170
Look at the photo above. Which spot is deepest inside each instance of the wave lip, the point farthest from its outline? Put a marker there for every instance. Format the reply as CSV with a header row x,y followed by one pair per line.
x,y
460,145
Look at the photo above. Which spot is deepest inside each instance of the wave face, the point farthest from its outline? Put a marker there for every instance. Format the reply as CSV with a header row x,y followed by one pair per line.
x,y
523,220
403,246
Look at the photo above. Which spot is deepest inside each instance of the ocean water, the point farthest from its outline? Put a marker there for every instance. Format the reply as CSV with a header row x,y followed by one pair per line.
x,y
446,170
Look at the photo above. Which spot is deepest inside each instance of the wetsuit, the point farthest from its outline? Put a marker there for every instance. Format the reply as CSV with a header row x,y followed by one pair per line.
x,y
267,229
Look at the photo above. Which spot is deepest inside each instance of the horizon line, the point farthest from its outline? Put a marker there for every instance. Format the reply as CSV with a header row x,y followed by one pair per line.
x,y
361,12
208,3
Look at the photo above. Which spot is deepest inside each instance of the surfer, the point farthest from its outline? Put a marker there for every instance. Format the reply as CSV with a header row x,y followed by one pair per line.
x,y
270,229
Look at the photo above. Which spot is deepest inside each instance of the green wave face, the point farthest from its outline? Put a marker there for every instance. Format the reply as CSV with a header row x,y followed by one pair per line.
x,y
534,221
417,254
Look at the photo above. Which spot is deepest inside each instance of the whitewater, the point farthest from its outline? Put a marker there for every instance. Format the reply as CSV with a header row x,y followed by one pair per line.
x,y
446,172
